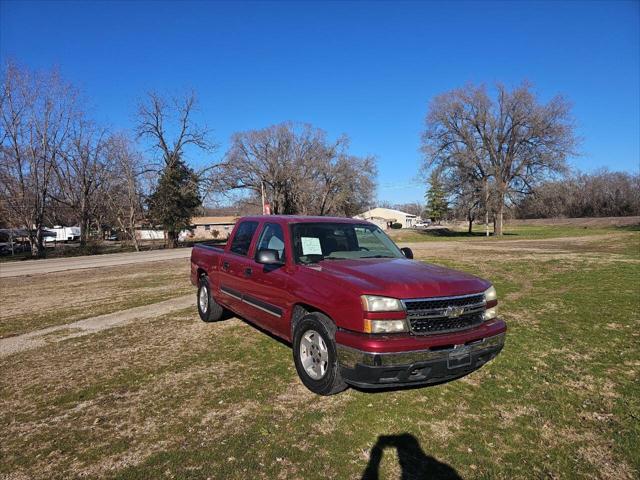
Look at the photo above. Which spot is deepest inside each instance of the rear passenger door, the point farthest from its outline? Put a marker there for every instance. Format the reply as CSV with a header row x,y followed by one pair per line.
x,y
235,271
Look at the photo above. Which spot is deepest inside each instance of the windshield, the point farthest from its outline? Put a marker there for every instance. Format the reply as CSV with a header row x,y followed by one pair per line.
x,y
313,242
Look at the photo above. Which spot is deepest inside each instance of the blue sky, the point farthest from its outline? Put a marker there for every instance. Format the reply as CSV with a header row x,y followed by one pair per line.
x,y
364,69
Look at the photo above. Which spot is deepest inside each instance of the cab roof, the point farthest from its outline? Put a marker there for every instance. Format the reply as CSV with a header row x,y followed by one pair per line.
x,y
302,219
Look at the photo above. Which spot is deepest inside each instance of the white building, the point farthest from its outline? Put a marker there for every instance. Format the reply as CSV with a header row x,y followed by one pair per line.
x,y
384,217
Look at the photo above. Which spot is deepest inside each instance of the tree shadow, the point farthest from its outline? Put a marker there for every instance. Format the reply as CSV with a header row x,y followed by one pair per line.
x,y
629,228
448,233
414,463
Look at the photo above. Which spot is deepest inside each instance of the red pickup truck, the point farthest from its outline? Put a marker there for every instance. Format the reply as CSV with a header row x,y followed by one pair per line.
x,y
358,310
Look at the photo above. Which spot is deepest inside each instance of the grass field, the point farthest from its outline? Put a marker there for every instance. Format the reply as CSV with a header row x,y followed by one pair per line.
x,y
522,229
172,397
34,302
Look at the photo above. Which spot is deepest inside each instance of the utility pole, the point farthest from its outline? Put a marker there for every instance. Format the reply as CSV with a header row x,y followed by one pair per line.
x,y
266,208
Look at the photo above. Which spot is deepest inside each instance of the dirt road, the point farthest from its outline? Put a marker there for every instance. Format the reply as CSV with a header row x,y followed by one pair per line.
x,y
87,326
34,267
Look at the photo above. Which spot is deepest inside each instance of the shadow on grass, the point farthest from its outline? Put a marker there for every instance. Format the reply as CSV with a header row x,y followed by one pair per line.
x,y
414,463
448,233
629,228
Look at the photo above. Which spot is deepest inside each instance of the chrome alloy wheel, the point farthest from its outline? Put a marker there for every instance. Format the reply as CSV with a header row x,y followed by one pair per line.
x,y
314,355
203,299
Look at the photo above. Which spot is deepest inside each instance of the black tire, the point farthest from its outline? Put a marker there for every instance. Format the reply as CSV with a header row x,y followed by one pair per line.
x,y
209,309
330,382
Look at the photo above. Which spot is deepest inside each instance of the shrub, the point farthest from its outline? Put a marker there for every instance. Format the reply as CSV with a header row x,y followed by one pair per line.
x,y
396,225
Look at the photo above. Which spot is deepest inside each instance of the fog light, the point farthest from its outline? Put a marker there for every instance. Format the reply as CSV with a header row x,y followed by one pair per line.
x,y
384,326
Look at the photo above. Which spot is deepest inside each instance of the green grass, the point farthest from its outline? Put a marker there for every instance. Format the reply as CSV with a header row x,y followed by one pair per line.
x,y
176,398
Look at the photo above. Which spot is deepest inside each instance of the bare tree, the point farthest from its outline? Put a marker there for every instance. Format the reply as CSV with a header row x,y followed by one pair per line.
x,y
514,140
598,194
36,114
80,173
414,208
467,200
122,189
170,127
158,117
300,170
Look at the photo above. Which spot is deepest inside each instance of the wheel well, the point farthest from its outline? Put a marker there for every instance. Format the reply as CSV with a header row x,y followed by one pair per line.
x,y
299,311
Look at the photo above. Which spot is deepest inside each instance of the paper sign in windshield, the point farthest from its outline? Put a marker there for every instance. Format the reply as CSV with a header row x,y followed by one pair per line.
x,y
311,246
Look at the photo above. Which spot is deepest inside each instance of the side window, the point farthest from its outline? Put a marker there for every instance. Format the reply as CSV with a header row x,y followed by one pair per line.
x,y
242,238
273,239
366,238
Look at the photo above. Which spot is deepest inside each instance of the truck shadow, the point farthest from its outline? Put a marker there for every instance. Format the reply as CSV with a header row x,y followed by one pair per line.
x,y
414,463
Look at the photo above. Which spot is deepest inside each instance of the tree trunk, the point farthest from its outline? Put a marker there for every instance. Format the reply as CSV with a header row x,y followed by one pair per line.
x,y
132,229
33,240
84,220
470,219
84,229
39,250
172,239
498,217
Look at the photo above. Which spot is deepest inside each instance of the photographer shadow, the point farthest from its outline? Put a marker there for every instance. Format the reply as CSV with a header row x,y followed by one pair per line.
x,y
414,463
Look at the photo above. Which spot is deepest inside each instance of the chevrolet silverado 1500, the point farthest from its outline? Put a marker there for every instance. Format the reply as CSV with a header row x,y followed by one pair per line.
x,y
357,309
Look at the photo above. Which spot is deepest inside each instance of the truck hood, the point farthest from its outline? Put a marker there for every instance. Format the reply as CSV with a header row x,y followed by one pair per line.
x,y
403,278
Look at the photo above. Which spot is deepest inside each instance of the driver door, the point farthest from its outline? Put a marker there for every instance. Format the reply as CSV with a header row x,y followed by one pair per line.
x,y
269,290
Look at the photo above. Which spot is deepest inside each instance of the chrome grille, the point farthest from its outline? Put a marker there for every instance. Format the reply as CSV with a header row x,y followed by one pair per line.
x,y
444,314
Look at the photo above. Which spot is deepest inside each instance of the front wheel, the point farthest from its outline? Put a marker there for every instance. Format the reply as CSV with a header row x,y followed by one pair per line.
x,y
208,308
314,355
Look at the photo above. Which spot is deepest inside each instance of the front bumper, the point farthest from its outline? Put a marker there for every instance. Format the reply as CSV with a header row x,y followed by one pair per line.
x,y
419,367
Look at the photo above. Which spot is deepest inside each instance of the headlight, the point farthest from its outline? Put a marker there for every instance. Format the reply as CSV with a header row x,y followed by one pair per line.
x,y
490,294
384,326
491,298
490,313
372,303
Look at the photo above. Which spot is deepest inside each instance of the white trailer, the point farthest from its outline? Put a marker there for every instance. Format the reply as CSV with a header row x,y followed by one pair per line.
x,y
63,234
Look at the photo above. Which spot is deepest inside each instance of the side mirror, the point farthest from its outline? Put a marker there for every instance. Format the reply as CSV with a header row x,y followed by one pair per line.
x,y
407,252
268,256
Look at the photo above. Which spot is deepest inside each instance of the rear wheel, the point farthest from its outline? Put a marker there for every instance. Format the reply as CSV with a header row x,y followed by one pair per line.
x,y
314,355
208,308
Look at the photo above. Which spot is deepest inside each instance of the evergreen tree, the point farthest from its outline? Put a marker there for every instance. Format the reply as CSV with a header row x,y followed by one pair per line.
x,y
175,199
437,205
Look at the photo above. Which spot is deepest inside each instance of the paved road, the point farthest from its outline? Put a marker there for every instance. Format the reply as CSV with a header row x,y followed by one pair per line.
x,y
34,267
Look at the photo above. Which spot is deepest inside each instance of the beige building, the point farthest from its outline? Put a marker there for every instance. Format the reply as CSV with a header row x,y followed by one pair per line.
x,y
384,217
209,228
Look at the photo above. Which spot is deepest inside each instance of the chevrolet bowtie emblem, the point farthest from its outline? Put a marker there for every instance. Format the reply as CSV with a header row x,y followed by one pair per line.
x,y
454,312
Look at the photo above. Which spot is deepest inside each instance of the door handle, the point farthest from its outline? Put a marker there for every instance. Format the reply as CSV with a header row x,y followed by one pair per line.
x,y
248,271
225,266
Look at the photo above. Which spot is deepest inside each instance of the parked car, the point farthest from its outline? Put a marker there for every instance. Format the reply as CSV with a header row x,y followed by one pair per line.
x,y
356,308
5,248
422,224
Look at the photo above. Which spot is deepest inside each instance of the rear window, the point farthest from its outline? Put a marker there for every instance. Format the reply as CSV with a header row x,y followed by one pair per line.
x,y
242,238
